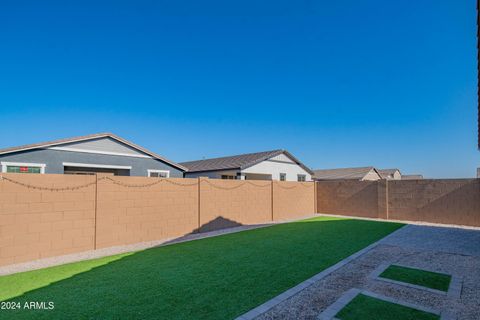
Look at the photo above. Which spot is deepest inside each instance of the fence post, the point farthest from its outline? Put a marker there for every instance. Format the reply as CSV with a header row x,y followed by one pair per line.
x,y
199,184
271,197
95,216
382,199
315,199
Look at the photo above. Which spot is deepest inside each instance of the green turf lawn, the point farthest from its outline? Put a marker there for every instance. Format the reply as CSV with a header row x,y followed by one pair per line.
x,y
418,277
363,307
214,278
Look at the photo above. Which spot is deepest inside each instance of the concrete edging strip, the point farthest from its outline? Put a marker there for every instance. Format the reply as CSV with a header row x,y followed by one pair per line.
x,y
305,284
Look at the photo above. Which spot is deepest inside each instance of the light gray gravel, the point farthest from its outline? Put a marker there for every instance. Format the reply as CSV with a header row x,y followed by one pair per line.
x,y
448,250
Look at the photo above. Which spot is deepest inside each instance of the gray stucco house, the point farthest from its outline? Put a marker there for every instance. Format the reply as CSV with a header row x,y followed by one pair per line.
x,y
102,152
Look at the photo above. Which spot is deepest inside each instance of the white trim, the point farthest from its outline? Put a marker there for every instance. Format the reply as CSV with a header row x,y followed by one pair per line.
x,y
22,164
100,152
158,171
93,165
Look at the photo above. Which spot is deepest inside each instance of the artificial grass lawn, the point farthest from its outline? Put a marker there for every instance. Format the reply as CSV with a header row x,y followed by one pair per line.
x,y
363,307
212,278
418,277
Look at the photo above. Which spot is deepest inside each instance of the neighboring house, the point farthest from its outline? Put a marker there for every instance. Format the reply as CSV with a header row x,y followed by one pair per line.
x,y
103,152
268,165
362,173
390,174
412,177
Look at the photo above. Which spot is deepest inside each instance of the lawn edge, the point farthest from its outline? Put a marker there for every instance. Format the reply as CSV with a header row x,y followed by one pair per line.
x,y
255,312
48,262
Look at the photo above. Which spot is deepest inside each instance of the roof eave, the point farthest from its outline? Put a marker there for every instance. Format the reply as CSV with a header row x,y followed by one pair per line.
x,y
276,153
90,137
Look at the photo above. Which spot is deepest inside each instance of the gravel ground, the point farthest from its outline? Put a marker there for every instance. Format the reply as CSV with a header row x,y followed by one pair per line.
x,y
448,250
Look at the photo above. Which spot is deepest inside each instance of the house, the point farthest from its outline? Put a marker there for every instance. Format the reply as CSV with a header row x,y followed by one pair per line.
x,y
412,177
362,173
267,165
102,152
390,174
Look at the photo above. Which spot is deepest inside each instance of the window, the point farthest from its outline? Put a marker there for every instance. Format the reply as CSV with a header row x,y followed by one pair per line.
x,y
283,177
159,173
17,167
227,177
301,177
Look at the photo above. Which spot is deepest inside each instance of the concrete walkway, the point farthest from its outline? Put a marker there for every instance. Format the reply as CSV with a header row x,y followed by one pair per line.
x,y
453,251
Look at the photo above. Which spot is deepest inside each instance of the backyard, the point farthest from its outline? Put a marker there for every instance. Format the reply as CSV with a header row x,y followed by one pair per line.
x,y
213,278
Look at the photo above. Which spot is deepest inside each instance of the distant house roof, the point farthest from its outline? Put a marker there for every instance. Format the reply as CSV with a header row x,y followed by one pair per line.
x,y
412,176
384,173
343,173
240,162
89,137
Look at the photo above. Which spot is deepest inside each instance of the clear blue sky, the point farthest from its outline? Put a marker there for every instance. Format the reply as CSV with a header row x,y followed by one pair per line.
x,y
337,83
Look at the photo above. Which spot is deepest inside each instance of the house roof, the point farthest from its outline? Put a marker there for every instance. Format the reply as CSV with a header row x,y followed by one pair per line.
x,y
343,173
89,137
386,172
412,176
241,161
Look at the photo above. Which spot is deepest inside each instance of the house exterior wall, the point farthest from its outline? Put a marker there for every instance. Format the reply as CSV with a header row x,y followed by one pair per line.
x,y
282,157
275,168
211,174
54,161
371,176
106,144
397,175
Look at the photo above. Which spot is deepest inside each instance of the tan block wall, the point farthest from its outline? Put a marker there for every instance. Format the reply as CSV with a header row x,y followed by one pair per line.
x,y
57,218
293,200
138,209
452,201
227,203
348,197
37,224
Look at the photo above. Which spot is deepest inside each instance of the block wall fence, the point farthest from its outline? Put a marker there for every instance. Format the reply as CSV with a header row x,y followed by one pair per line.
x,y
52,214
447,201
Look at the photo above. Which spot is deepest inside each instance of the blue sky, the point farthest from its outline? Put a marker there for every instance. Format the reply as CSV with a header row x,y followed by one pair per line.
x,y
337,83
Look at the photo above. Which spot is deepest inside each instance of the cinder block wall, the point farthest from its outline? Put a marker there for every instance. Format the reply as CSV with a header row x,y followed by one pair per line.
x,y
139,209
449,201
68,213
348,197
40,223
229,203
293,200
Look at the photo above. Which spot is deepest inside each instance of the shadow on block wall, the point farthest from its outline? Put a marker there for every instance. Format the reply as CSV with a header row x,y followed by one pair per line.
x,y
359,198
443,201
217,224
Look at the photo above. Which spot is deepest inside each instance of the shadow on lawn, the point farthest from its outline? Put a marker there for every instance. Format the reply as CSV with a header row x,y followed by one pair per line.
x,y
190,275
